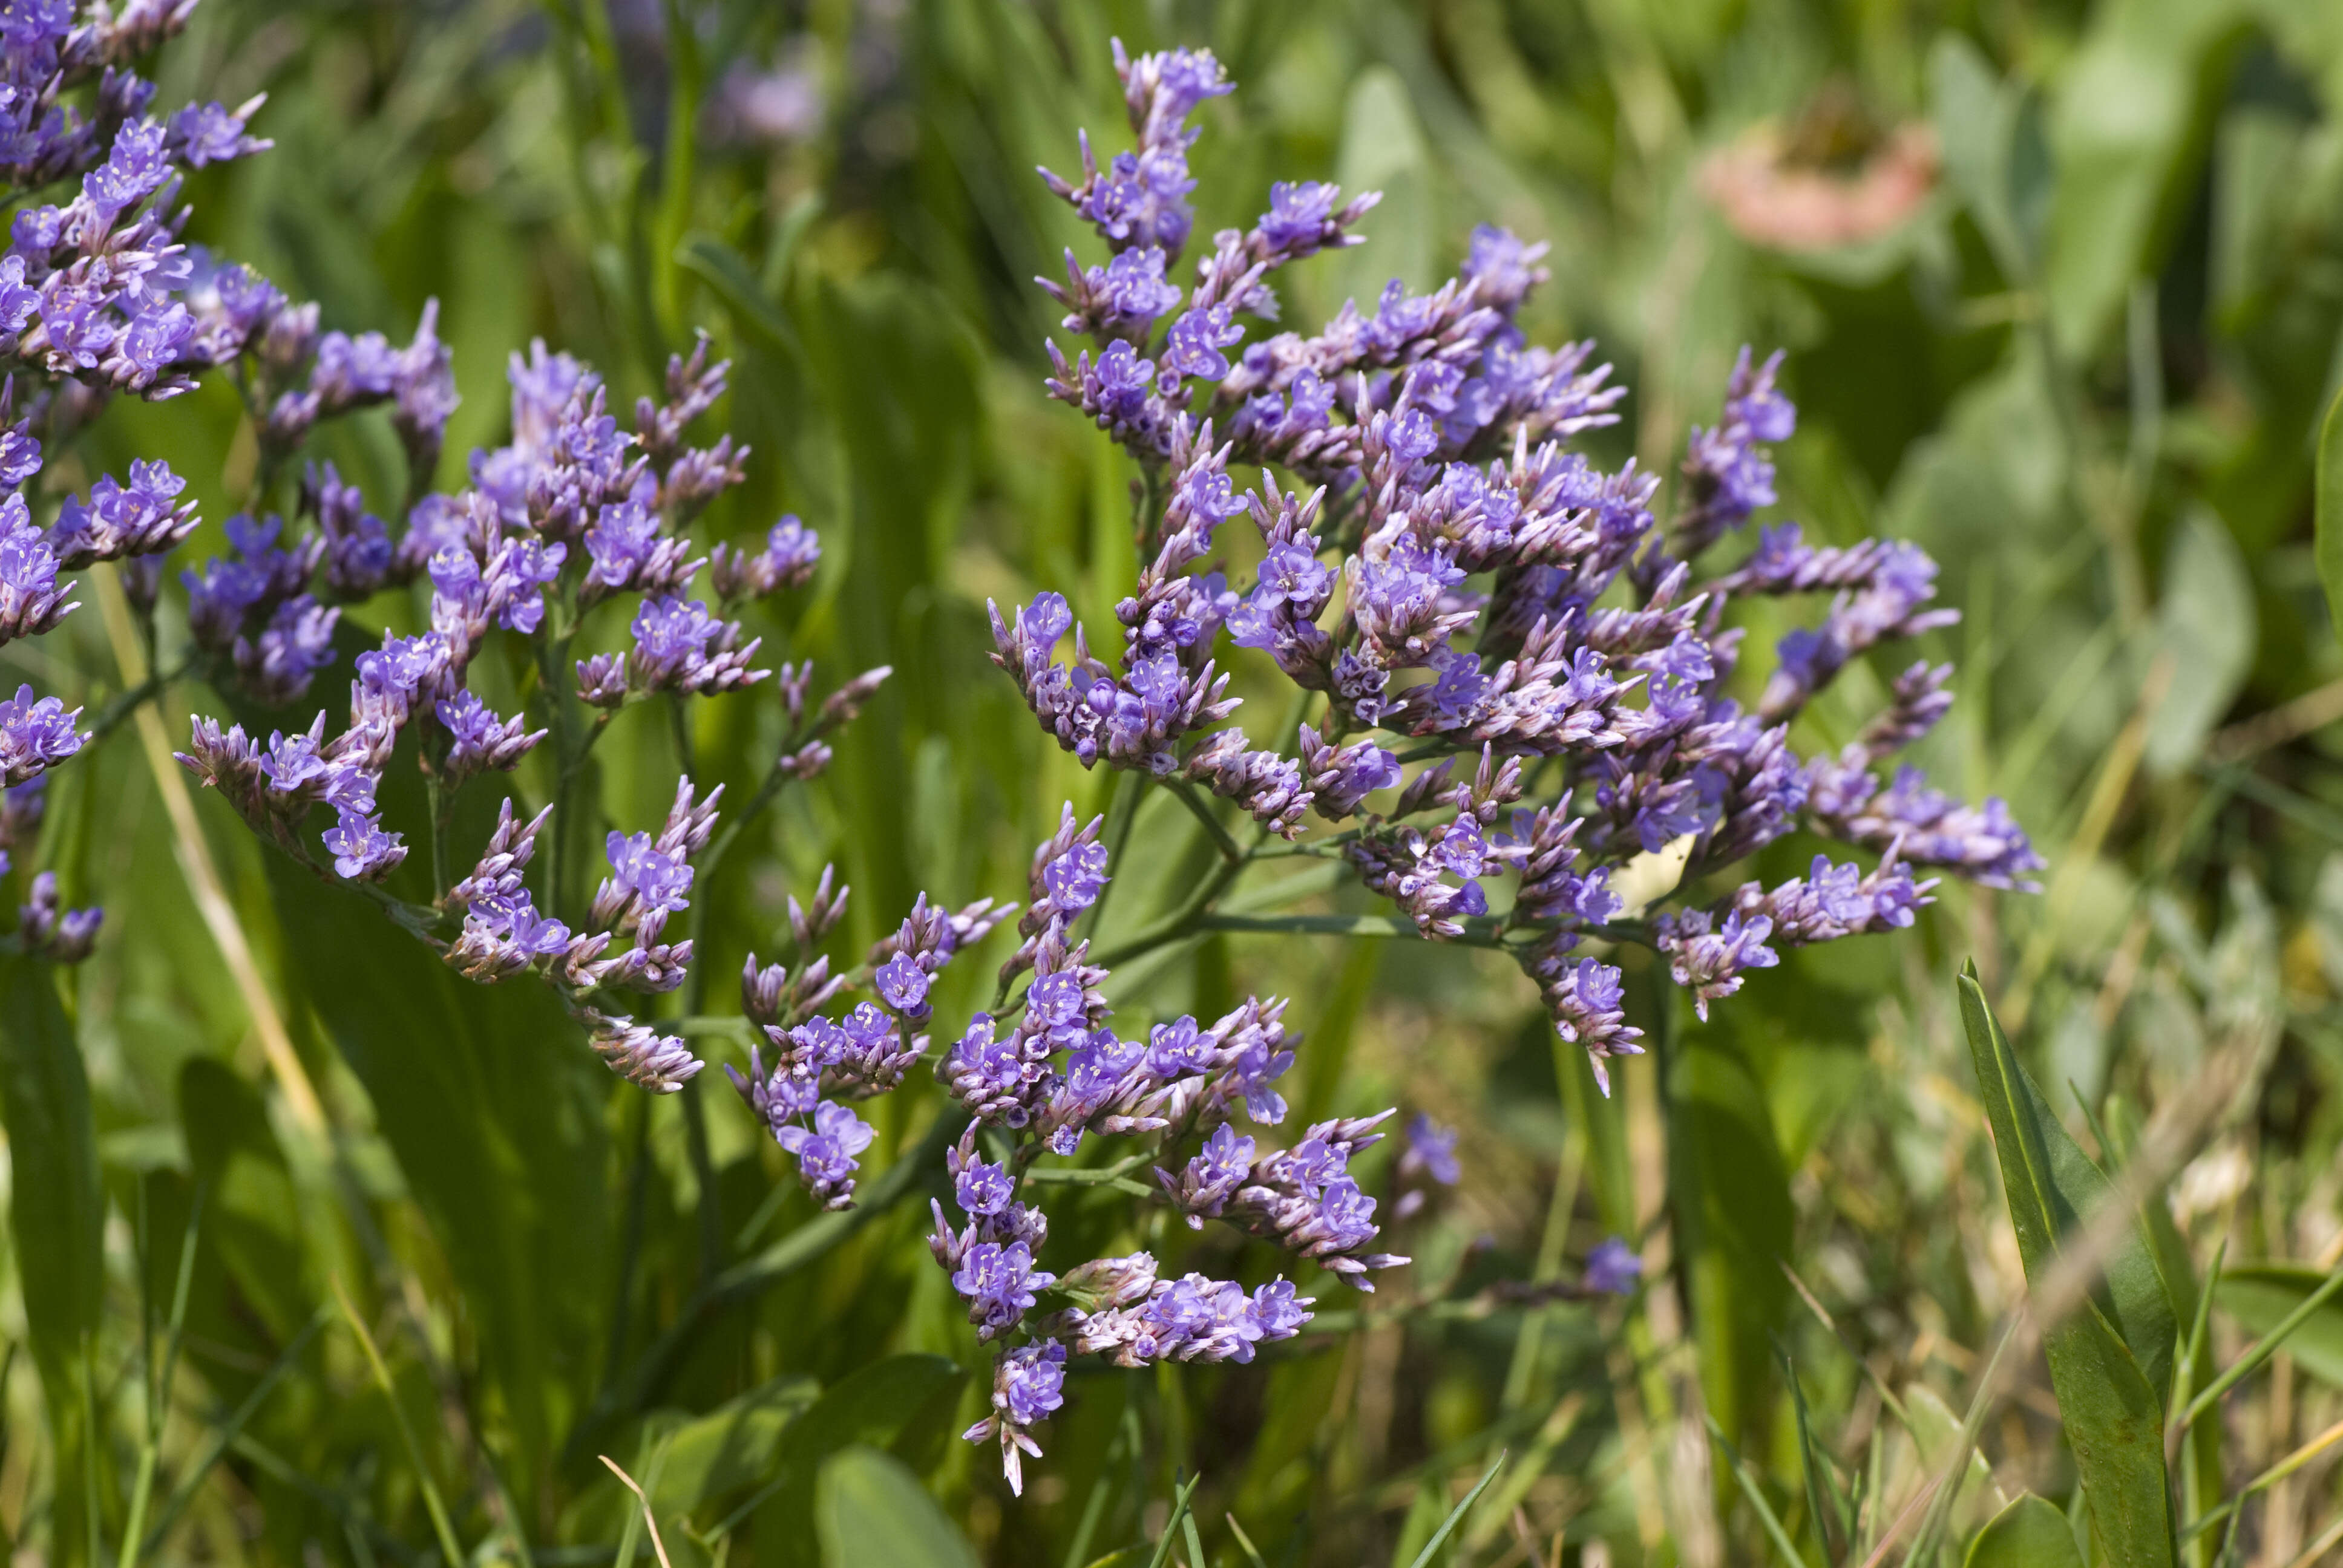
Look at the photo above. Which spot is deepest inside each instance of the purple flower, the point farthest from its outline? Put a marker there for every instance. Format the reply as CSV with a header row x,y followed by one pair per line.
x,y
1032,1378
1057,1001
134,169
903,986
982,1188
654,879
826,1153
1028,1384
620,542
1611,1269
1175,1050
791,552
208,134
1074,879
45,927
362,851
1431,1149
478,738
999,1282
31,602
680,647
1193,348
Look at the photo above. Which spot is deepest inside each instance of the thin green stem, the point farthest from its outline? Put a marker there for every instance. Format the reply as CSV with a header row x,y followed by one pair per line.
x,y
159,1387
1181,922
441,1525
703,1170
1201,810
2261,1350
227,1434
124,704
1131,791
623,1304
436,803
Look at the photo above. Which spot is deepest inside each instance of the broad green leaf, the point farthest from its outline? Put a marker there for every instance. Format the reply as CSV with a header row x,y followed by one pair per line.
x,y
2028,1533
2329,513
1731,1195
1975,119
869,1408
56,1215
2113,1406
870,1512
2126,124
252,1214
2057,1189
2205,631
56,1208
493,1106
2260,1295
732,1446
898,371
1936,1430
1383,149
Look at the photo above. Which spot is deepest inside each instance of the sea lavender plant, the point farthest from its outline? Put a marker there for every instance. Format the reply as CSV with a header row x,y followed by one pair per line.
x,y
1449,582
99,295
1036,1077
572,515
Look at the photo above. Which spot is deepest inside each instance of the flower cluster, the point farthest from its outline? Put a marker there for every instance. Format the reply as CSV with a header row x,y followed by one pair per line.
x,y
1038,1078
571,513
42,927
99,295
1451,581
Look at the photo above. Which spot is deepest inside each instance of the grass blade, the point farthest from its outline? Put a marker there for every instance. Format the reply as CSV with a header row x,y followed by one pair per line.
x,y
2262,1349
2113,1408
1179,1504
225,1437
2328,524
441,1525
1456,1515
1755,1494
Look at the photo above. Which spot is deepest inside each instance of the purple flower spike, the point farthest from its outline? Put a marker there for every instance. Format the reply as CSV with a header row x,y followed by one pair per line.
x,y
1028,1385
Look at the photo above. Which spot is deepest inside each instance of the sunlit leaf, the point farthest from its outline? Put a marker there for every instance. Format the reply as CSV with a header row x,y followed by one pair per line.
x,y
871,1513
2111,1399
2028,1533
2260,1295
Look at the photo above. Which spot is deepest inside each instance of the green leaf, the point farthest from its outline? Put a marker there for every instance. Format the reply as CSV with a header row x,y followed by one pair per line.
x,y
870,1512
726,271
869,1408
2028,1533
1936,1433
2057,1188
2329,526
1383,149
1456,1515
252,1212
56,1208
2260,1295
494,1107
2127,125
1731,1194
2113,1406
2204,629
1976,122
731,1447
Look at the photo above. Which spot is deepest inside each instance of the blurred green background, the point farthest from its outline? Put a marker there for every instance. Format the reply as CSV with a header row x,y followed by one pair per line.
x,y
2062,289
